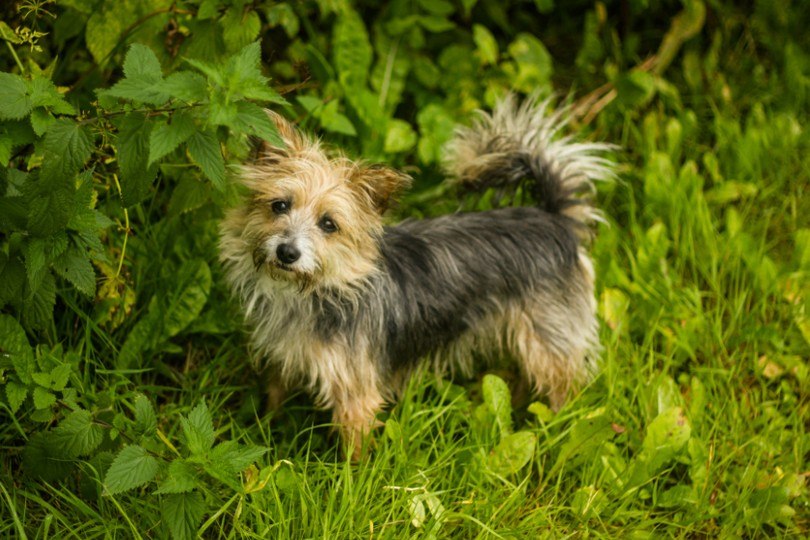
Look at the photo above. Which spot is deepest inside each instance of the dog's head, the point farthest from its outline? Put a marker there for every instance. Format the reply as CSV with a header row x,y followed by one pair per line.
x,y
312,219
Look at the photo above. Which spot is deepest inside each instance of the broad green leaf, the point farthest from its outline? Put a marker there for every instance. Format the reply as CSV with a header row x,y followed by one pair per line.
x,y
203,147
166,137
143,336
184,85
131,468
77,435
15,394
635,88
14,343
182,514
41,120
145,417
189,194
436,127
45,94
181,477
240,27
141,63
666,435
587,435
15,102
49,210
499,401
60,376
352,50
44,459
143,78
6,144
43,399
74,266
513,453
332,120
38,306
232,457
400,136
485,44
68,145
133,158
533,61
252,119
198,429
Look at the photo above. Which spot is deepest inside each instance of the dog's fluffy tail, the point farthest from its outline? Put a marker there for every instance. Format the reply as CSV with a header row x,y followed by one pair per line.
x,y
521,145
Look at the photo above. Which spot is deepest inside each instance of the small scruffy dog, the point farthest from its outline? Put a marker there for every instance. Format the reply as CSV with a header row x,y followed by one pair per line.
x,y
346,306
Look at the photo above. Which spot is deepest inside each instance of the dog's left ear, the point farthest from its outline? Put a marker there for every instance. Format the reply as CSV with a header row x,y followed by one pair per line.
x,y
380,184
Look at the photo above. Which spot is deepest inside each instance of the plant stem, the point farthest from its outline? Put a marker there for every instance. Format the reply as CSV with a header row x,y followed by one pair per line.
x,y
126,228
16,58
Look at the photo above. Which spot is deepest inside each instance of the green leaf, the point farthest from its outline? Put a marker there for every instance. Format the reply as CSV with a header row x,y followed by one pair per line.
x,y
533,61
145,417
203,147
183,513
41,120
68,145
131,468
400,136
77,435
74,266
15,394
587,435
485,44
252,119
231,457
666,435
44,459
352,50
499,401
133,158
198,429
635,88
332,120
60,376
38,307
189,194
43,399
166,137
14,343
181,477
15,103
141,63
240,27
49,210
513,453
45,94
184,85
142,80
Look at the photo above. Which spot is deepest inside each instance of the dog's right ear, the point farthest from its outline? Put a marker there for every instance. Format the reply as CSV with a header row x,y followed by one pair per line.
x,y
293,141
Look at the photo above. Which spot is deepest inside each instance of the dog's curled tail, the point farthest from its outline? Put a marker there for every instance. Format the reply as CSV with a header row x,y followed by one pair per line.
x,y
521,145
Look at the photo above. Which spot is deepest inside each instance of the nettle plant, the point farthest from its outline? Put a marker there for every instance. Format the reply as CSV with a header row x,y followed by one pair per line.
x,y
59,165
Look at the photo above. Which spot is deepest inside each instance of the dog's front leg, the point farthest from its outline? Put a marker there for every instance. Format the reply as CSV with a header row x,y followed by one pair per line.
x,y
355,415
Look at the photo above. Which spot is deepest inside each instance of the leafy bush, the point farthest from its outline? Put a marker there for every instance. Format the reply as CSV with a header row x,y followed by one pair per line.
x,y
128,403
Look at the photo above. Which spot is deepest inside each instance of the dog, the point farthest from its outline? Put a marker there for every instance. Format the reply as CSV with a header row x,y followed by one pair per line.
x,y
346,306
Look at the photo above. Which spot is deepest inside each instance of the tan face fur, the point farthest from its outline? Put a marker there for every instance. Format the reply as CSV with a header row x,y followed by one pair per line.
x,y
309,219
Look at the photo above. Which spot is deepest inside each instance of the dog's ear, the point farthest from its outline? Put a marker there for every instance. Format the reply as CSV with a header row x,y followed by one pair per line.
x,y
293,141
380,184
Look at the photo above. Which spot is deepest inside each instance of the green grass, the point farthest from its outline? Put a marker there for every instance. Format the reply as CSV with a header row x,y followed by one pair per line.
x,y
696,426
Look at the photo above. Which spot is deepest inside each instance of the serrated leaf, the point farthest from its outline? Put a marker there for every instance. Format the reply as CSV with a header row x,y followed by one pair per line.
x,y
231,457
45,94
198,429
41,378
181,477
131,468
141,63
239,27
182,513
15,395
166,137
184,85
49,210
6,144
15,102
77,435
143,78
60,376
35,268
42,458
74,266
499,401
252,119
41,120
43,399
145,417
133,158
189,194
38,306
203,147
68,145
513,453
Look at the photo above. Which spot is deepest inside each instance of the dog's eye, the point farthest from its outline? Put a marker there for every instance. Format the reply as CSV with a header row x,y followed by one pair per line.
x,y
327,225
280,206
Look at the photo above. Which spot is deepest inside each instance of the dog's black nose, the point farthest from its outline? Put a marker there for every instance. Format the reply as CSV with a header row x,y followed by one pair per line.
x,y
287,253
